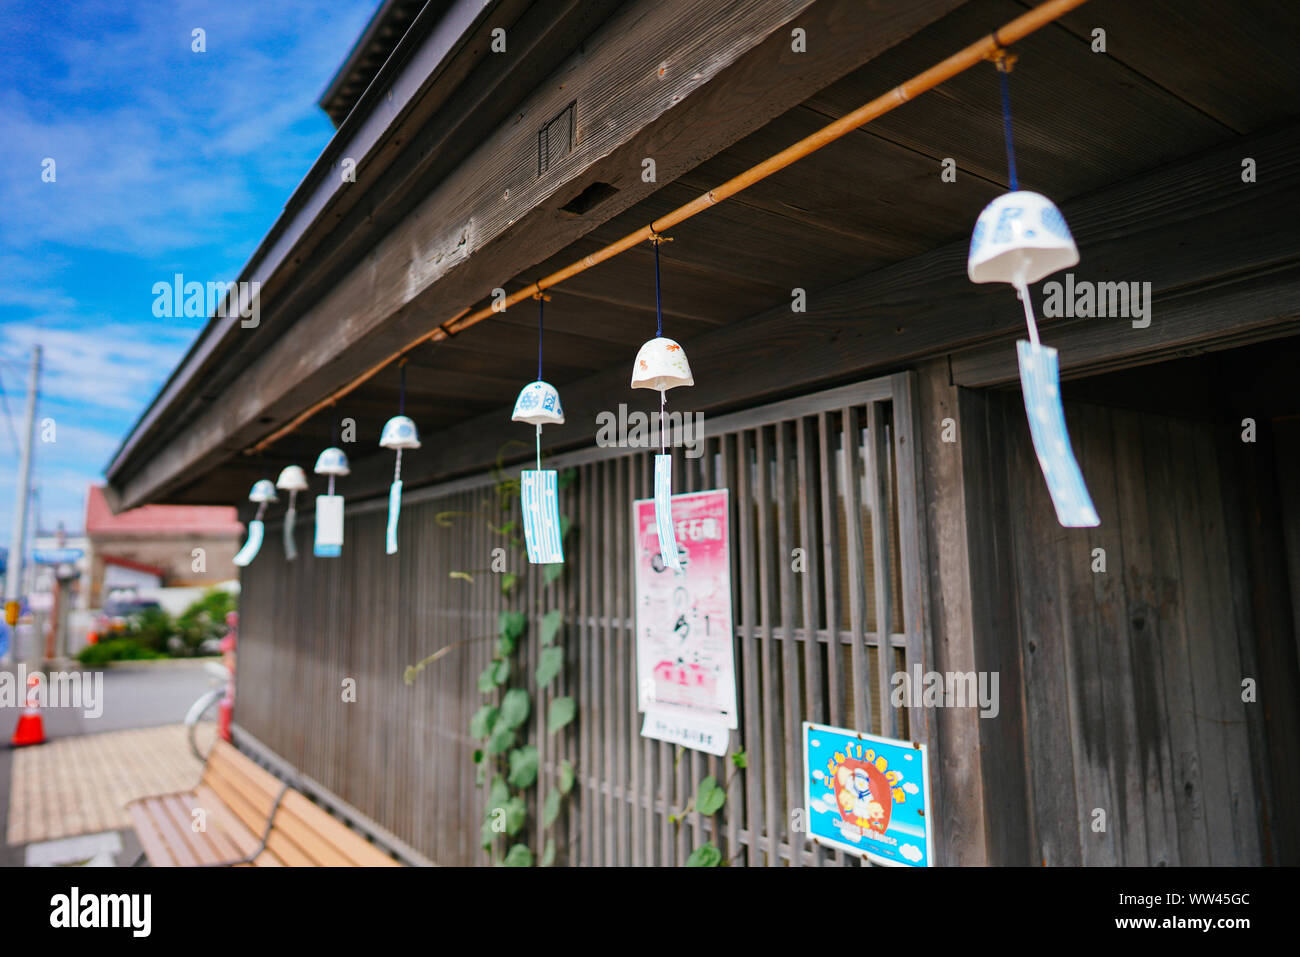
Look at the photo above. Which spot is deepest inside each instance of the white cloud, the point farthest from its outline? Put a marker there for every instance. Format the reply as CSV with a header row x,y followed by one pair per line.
x,y
911,852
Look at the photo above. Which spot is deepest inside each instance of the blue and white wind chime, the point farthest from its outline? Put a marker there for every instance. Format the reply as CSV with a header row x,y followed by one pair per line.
x,y
1019,238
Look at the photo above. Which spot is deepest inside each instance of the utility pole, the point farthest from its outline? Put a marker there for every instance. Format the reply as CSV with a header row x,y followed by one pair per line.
x,y
18,534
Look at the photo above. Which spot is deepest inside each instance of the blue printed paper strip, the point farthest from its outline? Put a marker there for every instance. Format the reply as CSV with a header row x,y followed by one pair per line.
x,y
1041,384
329,526
664,512
251,547
394,509
290,547
540,497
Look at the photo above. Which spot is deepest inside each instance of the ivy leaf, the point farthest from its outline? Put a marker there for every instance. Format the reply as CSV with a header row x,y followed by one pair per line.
x,y
508,582
511,624
487,678
706,855
505,646
500,672
514,708
478,756
552,572
486,835
548,855
498,794
551,624
740,759
566,477
551,808
519,856
516,814
566,777
501,739
523,767
548,665
709,798
560,713
480,726
565,525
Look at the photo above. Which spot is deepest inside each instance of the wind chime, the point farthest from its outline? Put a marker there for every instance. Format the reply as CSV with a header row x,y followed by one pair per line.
x,y
263,493
1020,238
399,434
292,480
661,365
539,404
329,507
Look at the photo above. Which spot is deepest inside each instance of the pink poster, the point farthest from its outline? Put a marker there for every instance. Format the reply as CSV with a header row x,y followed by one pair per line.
x,y
685,657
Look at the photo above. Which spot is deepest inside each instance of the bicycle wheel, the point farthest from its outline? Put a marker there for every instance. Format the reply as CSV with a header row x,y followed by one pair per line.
x,y
201,723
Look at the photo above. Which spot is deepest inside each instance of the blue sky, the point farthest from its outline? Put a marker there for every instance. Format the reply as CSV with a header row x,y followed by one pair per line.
x,y
166,160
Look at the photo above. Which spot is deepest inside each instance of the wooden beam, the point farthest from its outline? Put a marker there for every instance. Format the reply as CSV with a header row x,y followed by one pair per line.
x,y
1193,230
673,80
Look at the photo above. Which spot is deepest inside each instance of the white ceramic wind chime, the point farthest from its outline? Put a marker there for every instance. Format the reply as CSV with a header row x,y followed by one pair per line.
x,y
329,507
292,480
539,495
1020,238
263,493
399,434
661,365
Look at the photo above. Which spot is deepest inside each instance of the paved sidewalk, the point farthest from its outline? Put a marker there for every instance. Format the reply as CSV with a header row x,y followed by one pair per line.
x,y
80,785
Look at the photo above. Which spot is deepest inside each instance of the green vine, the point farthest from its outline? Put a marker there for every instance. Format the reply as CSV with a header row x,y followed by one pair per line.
x,y
708,800
511,769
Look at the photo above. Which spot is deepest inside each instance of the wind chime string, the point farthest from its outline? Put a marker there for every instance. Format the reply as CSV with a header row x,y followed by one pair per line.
x,y
401,410
541,305
1004,62
659,332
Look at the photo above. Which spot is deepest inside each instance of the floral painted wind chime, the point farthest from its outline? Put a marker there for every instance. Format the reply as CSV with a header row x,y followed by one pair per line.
x,y
661,365
539,495
399,434
1020,238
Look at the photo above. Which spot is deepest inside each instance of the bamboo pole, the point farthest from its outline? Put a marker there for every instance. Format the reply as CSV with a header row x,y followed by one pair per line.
x,y
986,48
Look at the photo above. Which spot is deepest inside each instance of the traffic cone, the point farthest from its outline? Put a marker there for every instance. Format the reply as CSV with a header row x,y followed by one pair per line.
x,y
31,728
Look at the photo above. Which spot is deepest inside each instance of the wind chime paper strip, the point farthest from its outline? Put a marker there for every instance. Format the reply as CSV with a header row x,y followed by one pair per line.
x,y
394,509
664,511
290,547
540,496
1041,384
254,544
329,526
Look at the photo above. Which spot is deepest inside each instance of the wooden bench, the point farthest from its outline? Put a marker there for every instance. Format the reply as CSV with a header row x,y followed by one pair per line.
x,y
250,818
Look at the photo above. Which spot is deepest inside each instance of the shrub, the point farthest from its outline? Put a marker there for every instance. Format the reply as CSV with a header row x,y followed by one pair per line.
x,y
115,649
204,622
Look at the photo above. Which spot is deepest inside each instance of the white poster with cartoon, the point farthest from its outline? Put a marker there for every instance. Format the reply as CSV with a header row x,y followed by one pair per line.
x,y
684,640
868,795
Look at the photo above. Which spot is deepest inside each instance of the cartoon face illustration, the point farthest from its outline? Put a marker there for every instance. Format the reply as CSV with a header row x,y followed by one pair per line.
x,y
864,790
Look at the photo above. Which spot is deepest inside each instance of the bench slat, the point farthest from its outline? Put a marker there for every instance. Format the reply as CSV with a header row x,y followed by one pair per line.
x,y
175,841
346,846
151,839
237,797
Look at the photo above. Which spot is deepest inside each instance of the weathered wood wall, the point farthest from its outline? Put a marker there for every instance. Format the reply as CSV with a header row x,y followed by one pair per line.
x,y
1131,677
813,473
